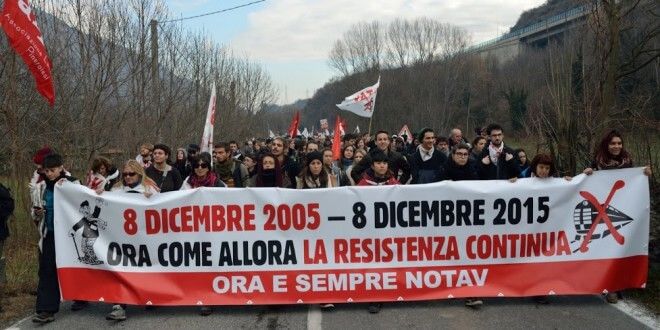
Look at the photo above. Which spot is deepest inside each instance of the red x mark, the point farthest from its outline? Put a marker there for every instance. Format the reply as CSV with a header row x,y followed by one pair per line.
x,y
602,216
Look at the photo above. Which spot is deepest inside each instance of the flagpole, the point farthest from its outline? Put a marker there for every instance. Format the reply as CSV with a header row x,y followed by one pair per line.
x,y
369,131
374,108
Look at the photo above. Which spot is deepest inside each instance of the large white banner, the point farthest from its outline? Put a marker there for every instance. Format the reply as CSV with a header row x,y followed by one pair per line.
x,y
350,244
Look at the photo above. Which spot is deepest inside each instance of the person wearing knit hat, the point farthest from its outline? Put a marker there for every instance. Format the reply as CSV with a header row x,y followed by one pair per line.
x,y
314,175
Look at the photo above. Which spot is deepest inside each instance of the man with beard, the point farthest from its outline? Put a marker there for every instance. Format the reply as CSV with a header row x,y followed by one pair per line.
x,y
497,161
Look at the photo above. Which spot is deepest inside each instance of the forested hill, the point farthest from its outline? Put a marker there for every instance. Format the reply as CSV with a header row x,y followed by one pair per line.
x,y
549,9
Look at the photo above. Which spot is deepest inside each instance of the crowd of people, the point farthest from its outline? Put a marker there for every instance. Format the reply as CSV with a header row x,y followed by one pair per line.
x,y
299,163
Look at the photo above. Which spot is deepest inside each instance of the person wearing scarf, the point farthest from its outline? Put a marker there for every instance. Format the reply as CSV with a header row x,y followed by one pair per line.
x,y
315,175
202,175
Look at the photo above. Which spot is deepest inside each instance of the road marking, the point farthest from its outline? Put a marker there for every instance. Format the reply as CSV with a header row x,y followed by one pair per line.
x,y
637,312
314,317
15,326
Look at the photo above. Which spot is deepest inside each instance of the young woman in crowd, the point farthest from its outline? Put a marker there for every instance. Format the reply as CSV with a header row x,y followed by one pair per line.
x,y
525,169
269,172
478,145
181,162
611,155
202,175
102,176
358,155
135,181
314,174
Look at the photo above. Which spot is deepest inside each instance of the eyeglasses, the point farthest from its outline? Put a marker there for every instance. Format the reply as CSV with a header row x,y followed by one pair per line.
x,y
461,154
129,174
202,165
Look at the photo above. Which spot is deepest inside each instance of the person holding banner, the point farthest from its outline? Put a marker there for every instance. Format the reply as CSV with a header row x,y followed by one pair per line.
x,y
611,155
48,290
202,175
397,163
102,176
459,167
134,181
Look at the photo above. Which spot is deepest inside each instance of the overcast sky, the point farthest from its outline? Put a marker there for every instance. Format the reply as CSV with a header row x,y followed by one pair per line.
x,y
292,38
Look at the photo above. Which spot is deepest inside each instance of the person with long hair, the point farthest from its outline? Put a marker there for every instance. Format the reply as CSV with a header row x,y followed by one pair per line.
x,y
358,155
202,176
250,161
524,162
133,181
315,174
269,172
611,155
478,145
181,162
102,176
166,177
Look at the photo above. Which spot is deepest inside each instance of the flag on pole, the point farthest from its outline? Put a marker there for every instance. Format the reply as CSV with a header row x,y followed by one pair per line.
x,y
207,136
305,133
336,139
271,134
293,128
361,103
20,25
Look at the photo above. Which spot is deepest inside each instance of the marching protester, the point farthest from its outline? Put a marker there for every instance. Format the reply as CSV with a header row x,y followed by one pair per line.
x,y
102,176
497,161
478,145
315,174
358,155
250,162
202,175
342,165
459,167
144,157
397,163
289,167
181,162
269,172
442,144
228,169
48,290
134,181
456,137
426,163
611,155
334,169
523,161
166,177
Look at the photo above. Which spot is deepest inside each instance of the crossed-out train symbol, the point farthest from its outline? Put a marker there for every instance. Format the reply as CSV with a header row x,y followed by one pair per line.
x,y
590,213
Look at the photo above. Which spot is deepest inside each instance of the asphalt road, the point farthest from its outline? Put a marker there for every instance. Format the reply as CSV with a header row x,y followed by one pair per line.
x,y
581,312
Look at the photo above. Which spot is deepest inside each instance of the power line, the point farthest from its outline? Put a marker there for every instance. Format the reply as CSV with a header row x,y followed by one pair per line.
x,y
213,12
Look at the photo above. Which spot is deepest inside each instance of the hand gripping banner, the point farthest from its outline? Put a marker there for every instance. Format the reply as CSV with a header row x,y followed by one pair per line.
x,y
234,246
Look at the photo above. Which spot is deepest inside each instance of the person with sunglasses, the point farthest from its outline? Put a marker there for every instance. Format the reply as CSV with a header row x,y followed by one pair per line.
x,y
133,181
202,175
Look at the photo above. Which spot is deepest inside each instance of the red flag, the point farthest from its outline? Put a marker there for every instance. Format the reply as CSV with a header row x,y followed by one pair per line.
x,y
336,139
293,128
20,25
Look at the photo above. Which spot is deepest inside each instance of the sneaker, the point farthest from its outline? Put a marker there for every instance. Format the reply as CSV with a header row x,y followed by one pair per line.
x,y
612,297
374,308
43,317
78,305
118,313
474,303
327,306
205,311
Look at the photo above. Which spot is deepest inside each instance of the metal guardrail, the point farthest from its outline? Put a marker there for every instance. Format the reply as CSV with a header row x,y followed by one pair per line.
x,y
538,26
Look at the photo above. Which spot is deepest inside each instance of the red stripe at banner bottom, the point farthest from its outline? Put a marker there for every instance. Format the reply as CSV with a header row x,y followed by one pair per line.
x,y
355,285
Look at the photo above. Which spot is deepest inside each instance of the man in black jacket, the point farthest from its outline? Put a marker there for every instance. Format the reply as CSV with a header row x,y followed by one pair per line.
x,y
497,162
426,163
396,162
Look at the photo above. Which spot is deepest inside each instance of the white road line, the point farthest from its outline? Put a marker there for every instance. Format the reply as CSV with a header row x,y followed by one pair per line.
x,y
637,312
314,317
15,325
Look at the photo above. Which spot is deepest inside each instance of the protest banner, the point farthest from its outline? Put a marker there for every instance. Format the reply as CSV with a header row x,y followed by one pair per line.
x,y
220,246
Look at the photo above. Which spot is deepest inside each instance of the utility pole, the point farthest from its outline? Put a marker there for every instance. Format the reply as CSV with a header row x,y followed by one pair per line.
x,y
154,75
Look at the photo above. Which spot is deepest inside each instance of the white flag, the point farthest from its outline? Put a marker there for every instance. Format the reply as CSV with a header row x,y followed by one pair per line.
x,y
207,136
271,134
357,129
361,103
305,133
